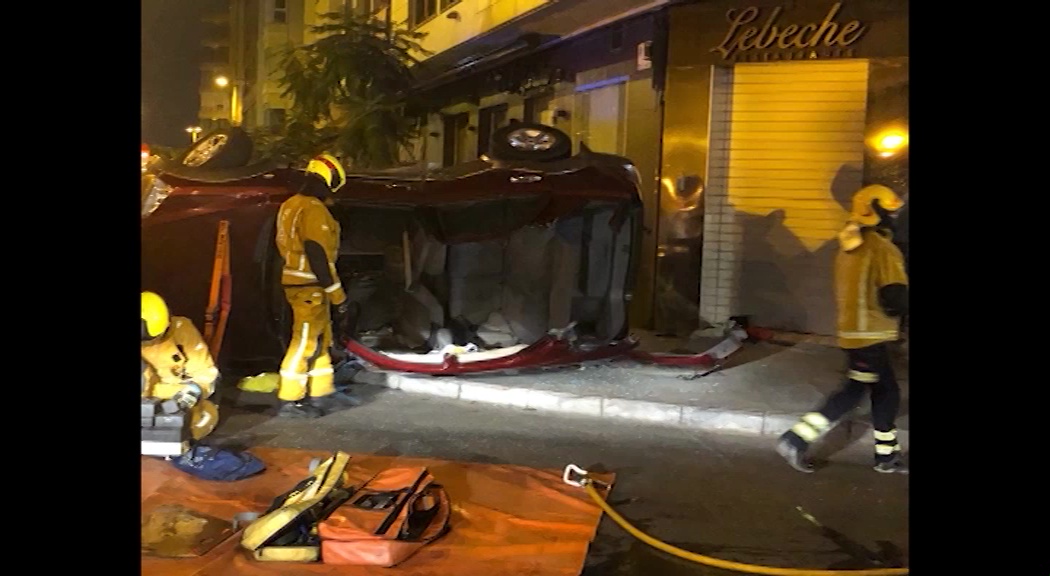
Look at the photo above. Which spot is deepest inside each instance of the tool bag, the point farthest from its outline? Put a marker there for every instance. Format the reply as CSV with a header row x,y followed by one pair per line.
x,y
287,531
387,520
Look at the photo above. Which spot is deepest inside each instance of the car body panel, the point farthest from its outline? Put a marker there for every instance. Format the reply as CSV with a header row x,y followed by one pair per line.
x,y
458,209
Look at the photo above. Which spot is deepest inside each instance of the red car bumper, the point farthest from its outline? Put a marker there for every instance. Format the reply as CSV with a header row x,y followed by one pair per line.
x,y
544,353
549,352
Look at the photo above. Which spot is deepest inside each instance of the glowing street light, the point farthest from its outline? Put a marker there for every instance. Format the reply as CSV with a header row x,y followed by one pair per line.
x,y
890,142
194,132
235,97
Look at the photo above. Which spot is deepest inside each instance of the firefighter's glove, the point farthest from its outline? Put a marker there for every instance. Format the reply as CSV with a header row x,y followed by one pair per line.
x,y
340,311
894,300
188,397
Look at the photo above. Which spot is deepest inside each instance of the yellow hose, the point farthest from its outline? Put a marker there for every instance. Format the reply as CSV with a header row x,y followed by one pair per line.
x,y
726,564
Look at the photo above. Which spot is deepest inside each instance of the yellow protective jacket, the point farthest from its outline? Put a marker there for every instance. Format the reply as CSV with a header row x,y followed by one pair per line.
x,y
303,219
176,359
860,273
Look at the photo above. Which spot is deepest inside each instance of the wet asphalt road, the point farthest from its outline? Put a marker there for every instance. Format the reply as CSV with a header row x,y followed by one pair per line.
x,y
726,496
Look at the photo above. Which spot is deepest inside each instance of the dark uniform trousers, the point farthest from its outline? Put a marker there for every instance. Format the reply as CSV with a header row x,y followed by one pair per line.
x,y
870,368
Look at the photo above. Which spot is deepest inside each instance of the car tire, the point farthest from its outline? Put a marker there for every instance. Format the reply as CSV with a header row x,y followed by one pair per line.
x,y
529,142
222,149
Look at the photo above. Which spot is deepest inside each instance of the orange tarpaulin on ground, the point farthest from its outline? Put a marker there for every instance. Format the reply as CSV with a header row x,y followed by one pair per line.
x,y
505,519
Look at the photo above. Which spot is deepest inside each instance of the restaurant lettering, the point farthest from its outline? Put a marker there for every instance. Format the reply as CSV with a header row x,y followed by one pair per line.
x,y
772,40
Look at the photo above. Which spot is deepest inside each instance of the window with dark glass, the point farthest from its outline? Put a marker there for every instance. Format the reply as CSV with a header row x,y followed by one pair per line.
x,y
489,120
369,7
423,10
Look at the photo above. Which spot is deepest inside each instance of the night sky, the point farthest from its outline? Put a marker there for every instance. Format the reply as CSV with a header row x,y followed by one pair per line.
x,y
171,37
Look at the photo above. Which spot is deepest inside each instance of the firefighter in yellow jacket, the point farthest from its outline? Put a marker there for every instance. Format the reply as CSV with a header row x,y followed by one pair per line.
x,y
871,288
177,364
308,240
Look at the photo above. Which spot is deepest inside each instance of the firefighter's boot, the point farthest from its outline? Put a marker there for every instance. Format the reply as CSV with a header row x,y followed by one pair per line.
x,y
334,402
793,449
298,409
894,465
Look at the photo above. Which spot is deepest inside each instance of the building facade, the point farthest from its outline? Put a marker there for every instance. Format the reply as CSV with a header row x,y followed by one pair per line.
x,y
243,45
583,66
751,122
775,114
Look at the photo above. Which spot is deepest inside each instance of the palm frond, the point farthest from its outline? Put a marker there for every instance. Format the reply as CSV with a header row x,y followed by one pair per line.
x,y
349,90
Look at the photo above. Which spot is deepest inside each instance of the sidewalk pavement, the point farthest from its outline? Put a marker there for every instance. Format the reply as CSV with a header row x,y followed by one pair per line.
x,y
763,396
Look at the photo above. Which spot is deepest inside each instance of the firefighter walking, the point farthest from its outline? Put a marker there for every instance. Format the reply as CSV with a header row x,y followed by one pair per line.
x,y
308,240
871,288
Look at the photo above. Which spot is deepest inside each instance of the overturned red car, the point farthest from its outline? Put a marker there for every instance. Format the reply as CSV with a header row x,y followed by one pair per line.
x,y
526,258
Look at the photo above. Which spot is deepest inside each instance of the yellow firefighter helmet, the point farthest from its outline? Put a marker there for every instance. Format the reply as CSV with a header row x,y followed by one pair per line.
x,y
204,416
155,315
329,169
864,200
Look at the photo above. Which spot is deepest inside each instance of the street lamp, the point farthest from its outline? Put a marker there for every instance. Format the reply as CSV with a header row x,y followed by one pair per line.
x,y
890,141
194,132
235,97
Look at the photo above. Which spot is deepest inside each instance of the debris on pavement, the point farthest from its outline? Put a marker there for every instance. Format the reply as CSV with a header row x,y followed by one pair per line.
x,y
733,341
701,374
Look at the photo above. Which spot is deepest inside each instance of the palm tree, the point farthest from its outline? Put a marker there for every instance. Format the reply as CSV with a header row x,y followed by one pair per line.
x,y
349,91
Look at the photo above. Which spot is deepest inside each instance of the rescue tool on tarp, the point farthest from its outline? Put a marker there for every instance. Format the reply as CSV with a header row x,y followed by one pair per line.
x,y
576,476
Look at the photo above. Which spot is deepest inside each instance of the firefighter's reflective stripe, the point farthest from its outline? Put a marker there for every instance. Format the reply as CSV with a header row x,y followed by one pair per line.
x,y
884,449
886,442
299,350
862,295
890,436
865,377
333,287
811,426
300,274
321,371
881,335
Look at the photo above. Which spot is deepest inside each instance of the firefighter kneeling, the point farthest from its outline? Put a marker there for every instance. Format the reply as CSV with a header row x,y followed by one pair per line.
x,y
177,365
871,286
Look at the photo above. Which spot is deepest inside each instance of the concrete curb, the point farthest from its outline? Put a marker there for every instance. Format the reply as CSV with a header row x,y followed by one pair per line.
x,y
653,413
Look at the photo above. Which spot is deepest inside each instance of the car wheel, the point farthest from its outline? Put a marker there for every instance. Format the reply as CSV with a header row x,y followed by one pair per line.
x,y
223,148
529,141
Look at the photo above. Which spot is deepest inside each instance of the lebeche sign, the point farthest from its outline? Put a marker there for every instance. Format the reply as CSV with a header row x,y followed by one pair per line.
x,y
772,40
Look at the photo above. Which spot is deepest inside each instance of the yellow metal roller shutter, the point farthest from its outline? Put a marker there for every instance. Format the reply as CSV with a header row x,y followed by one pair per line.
x,y
796,154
